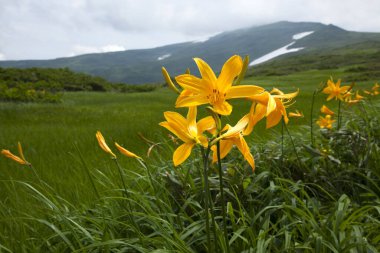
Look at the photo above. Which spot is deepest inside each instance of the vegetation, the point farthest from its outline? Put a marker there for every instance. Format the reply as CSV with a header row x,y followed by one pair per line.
x,y
319,195
48,85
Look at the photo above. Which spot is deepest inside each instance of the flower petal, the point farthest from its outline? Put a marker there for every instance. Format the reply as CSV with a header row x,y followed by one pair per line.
x,y
192,83
256,113
206,72
223,108
179,132
182,153
243,91
244,149
225,148
206,124
274,118
126,152
239,127
187,100
230,70
192,121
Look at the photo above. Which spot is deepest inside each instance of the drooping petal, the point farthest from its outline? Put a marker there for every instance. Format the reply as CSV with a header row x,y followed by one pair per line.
x,y
203,140
326,110
182,153
243,91
126,152
13,157
230,70
256,113
206,124
225,148
274,118
103,145
287,96
244,149
271,106
206,72
261,98
237,129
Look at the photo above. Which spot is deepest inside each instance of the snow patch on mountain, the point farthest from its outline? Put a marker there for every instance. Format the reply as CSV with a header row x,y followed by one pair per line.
x,y
282,50
301,35
162,57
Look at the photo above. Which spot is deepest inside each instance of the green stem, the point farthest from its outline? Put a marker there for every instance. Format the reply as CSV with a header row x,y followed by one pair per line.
x,y
282,143
311,119
121,176
207,195
222,196
294,146
88,172
339,114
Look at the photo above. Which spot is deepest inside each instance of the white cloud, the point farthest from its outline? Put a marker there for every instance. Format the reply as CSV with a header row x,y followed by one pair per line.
x,y
2,57
80,49
40,29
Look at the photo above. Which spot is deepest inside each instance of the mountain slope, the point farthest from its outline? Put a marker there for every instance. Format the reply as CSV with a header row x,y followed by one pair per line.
x,y
140,66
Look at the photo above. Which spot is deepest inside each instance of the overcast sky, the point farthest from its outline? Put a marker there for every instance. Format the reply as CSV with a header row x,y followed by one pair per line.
x,y
44,29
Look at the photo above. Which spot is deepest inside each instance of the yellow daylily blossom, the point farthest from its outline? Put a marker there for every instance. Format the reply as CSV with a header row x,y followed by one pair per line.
x,y
234,136
335,91
325,122
19,159
326,110
103,145
212,90
356,100
126,152
272,105
187,130
295,114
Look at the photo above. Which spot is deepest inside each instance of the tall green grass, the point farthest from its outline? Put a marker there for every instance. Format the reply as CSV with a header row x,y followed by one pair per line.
x,y
308,199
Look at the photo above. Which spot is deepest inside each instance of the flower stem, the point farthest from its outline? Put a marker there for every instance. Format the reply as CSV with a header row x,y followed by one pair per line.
x,y
282,142
88,172
339,119
207,195
311,119
121,176
294,146
222,196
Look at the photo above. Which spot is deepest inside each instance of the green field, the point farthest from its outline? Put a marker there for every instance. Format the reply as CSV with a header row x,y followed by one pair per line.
x,y
55,136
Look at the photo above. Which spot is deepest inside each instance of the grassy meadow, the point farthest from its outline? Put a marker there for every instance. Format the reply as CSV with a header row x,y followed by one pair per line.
x,y
290,204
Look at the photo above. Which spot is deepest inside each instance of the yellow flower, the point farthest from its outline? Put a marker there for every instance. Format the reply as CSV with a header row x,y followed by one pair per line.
x,y
296,114
212,90
188,130
375,87
334,90
20,160
326,110
103,144
126,152
234,136
325,122
272,105
357,99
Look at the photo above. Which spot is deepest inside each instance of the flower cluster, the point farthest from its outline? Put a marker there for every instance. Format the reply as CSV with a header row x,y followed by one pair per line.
x,y
343,94
216,92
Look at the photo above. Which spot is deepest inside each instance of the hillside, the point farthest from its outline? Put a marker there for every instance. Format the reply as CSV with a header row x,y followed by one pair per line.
x,y
141,66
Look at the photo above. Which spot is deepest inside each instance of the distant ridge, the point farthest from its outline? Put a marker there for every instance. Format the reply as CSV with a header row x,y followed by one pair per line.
x,y
144,65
